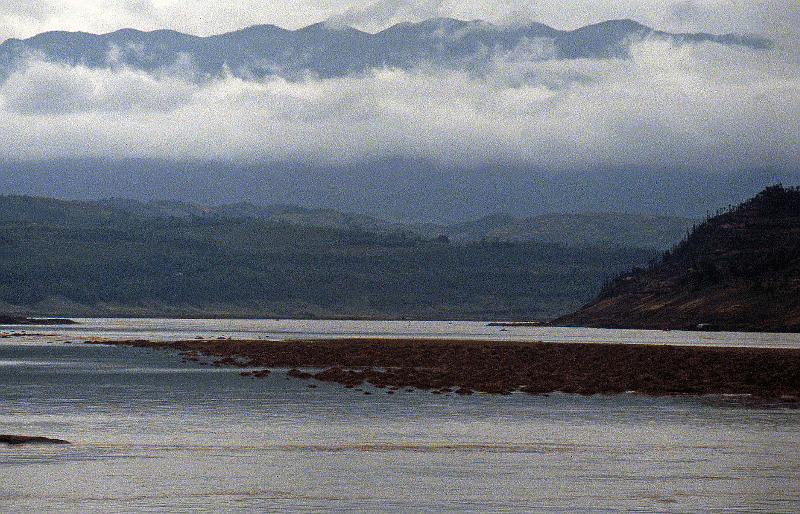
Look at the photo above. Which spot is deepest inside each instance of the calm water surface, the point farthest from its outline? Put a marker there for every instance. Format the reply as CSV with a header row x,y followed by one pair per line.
x,y
153,433
172,329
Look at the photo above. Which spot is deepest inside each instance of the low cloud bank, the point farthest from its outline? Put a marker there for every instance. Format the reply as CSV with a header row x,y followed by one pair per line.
x,y
709,107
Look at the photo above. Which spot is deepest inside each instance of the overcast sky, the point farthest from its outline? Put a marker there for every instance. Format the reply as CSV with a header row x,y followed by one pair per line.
x,y
24,18
720,109
695,105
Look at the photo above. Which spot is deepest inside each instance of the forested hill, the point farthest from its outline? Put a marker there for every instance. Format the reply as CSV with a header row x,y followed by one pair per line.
x,y
574,230
74,258
739,270
588,229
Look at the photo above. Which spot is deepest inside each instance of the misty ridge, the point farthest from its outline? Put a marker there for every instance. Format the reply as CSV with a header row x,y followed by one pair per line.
x,y
581,230
441,120
328,49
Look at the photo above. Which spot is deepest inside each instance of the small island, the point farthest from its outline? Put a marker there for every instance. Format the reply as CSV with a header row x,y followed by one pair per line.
x,y
16,440
503,367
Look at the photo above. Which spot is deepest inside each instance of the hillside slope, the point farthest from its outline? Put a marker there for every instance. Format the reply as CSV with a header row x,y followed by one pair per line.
x,y
573,230
73,258
740,270
577,230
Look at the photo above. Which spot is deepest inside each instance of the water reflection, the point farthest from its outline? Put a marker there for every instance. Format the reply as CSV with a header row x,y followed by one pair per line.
x,y
152,432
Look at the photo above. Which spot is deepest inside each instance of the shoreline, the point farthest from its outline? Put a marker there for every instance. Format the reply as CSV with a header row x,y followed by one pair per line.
x,y
503,367
72,319
24,320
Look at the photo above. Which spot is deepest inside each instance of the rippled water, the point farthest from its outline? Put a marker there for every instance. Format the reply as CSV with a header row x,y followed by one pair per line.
x,y
153,433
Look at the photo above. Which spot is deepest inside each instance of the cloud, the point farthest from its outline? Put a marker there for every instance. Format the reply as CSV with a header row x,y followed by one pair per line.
x,y
53,89
706,107
384,13
25,18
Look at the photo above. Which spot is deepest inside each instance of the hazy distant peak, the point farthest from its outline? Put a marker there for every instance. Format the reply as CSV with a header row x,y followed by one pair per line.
x,y
332,26
332,49
253,29
444,23
624,24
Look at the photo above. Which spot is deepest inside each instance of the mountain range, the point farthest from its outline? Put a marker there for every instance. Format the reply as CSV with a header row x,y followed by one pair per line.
x,y
329,50
424,177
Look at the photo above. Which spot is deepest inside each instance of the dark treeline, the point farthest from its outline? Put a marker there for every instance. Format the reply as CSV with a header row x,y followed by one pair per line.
x,y
753,240
738,270
87,259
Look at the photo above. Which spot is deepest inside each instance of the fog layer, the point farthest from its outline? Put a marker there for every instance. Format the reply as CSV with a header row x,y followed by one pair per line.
x,y
702,106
